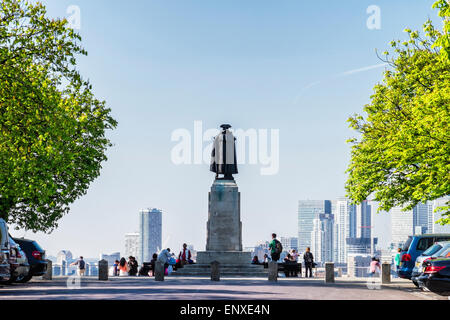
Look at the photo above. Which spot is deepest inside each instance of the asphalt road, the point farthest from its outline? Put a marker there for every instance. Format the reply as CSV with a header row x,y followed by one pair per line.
x,y
135,288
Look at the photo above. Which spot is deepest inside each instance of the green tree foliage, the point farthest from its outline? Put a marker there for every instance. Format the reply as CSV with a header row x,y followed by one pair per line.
x,y
52,140
403,154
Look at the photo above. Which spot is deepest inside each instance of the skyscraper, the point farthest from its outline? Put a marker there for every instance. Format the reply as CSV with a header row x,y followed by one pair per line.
x,y
402,224
364,220
344,227
308,210
420,220
322,237
132,245
423,217
150,233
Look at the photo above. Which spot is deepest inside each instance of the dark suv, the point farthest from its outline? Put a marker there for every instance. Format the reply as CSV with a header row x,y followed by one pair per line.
x,y
413,248
36,258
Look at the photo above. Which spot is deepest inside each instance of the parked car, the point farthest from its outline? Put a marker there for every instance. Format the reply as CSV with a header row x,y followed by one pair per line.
x,y
5,270
434,251
36,258
414,247
23,267
436,275
11,254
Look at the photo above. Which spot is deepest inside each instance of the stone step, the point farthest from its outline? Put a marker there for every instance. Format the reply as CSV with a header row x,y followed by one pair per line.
x,y
240,274
225,270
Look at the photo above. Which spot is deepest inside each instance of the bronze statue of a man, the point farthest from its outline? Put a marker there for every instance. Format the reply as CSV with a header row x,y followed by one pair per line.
x,y
223,156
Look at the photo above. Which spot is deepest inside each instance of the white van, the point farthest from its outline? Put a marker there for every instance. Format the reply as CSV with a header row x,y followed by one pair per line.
x,y
5,269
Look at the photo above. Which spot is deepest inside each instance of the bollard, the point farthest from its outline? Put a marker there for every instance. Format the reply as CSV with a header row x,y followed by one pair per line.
x,y
273,271
49,272
159,271
103,270
329,272
215,271
386,273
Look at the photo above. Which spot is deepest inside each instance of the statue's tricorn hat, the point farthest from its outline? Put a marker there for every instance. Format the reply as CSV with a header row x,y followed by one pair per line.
x,y
225,126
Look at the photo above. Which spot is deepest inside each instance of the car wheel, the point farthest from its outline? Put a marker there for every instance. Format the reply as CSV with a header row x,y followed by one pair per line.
x,y
11,280
24,279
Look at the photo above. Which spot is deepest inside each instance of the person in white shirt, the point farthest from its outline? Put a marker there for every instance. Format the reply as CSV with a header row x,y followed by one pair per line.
x,y
294,255
164,256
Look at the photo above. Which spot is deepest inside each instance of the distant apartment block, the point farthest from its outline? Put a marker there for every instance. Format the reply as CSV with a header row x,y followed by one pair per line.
x,y
289,243
150,233
132,245
111,258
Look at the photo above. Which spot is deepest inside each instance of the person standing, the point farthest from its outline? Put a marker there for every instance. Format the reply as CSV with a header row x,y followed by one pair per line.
x,y
116,268
132,266
374,266
397,259
152,264
308,258
81,266
275,248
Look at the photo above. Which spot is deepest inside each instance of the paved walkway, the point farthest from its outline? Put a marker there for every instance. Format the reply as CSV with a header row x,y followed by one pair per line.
x,y
183,288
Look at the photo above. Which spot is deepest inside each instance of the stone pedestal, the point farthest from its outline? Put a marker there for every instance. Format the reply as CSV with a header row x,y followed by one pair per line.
x,y
103,270
329,272
386,273
273,271
159,271
49,273
224,226
215,271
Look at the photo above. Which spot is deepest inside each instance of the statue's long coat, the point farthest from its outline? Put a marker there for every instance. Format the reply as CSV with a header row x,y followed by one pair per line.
x,y
223,156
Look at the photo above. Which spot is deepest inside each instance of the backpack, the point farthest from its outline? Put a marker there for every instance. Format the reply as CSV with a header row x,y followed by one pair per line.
x,y
278,247
308,257
81,264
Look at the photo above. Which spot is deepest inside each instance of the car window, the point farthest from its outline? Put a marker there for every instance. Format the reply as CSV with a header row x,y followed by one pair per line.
x,y
407,244
37,246
432,250
3,234
445,252
440,239
424,244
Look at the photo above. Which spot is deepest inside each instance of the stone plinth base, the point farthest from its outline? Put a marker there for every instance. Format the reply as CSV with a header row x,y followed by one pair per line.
x,y
224,257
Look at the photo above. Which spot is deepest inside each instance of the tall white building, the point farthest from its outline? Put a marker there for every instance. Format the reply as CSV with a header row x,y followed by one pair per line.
x,y
322,238
344,227
132,245
150,233
402,224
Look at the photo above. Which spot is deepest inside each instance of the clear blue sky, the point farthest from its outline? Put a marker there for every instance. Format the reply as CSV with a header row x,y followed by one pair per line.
x,y
160,65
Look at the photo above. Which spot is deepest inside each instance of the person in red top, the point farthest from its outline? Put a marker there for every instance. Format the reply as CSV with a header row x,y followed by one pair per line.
x,y
185,255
